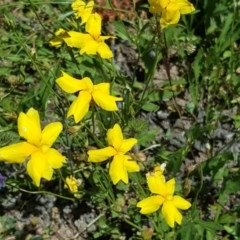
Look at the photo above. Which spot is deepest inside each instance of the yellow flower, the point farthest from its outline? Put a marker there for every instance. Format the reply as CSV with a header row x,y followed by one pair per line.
x,y
82,10
118,147
72,184
91,42
163,197
99,93
170,10
43,159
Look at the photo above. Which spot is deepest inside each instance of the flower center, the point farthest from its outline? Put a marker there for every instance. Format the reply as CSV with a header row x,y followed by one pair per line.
x,y
44,148
169,198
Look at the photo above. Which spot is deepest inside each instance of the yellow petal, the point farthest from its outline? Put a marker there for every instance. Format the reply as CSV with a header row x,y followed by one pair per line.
x,y
170,186
105,101
104,51
94,25
131,165
156,184
80,106
100,155
171,214
150,204
181,203
29,126
103,90
185,7
60,32
69,84
78,5
88,84
58,40
72,184
154,9
50,133
115,136
118,170
38,167
55,158
16,153
103,38
75,39
82,9
127,145
90,47
158,170
157,6
102,87
170,16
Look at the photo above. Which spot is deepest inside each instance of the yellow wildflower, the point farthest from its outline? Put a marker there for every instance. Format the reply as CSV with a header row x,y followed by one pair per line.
x,y
43,158
82,10
170,10
72,184
118,147
163,197
99,93
91,43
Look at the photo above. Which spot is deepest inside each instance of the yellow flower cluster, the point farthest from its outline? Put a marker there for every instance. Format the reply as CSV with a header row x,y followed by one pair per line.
x,y
37,149
72,184
170,10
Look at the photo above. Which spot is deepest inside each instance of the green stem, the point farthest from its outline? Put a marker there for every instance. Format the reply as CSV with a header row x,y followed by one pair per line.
x,y
92,222
132,224
40,192
150,76
201,182
167,68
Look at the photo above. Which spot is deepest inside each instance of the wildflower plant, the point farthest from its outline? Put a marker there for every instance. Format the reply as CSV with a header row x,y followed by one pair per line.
x,y
90,42
170,10
43,158
125,84
118,147
88,93
163,196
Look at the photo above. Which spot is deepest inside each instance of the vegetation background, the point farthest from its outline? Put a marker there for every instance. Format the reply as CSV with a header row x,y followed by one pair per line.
x,y
181,92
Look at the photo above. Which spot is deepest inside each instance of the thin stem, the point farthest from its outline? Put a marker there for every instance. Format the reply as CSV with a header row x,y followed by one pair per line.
x,y
91,223
167,68
40,192
132,224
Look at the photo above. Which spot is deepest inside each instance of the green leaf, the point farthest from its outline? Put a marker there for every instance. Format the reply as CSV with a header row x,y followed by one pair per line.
x,y
210,226
145,137
231,185
227,219
150,107
121,30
